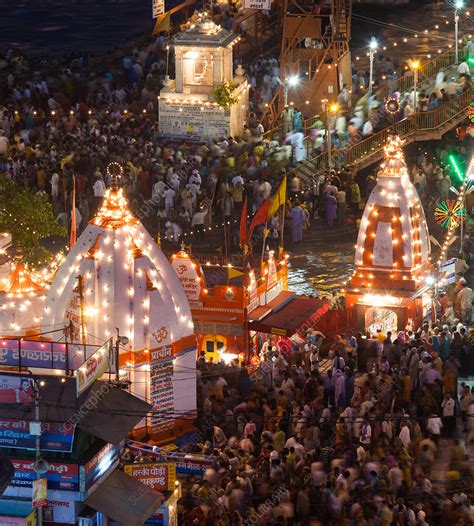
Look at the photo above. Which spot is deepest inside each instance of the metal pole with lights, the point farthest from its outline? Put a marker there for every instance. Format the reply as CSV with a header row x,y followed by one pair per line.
x,y
291,82
457,6
372,48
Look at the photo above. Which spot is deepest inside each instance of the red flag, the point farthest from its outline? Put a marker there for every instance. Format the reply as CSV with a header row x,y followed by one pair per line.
x,y
73,238
243,224
260,217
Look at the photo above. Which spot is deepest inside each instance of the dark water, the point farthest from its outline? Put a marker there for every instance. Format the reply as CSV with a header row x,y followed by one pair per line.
x,y
321,270
43,26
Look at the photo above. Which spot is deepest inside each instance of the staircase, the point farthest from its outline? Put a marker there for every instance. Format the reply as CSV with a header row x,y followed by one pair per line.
x,y
425,126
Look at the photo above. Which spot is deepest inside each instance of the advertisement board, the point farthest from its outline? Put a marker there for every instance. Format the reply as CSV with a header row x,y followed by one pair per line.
x,y
94,367
99,464
42,355
160,476
40,492
54,437
17,390
192,466
158,8
60,475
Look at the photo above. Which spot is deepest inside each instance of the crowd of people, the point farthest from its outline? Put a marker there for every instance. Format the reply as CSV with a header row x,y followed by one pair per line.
x,y
65,121
376,434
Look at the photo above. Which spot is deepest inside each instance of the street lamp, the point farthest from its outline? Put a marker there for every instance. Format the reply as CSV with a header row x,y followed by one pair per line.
x,y
372,47
458,4
333,109
291,82
414,66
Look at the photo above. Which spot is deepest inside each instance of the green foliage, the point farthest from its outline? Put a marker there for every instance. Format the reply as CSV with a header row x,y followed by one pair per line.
x,y
223,95
28,218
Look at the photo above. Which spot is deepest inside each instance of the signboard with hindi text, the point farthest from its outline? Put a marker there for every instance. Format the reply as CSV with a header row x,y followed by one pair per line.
x,y
158,8
17,352
160,476
94,367
54,436
192,120
257,4
60,475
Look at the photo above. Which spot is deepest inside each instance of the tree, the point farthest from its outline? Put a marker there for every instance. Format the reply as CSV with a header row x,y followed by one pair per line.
x,y
28,218
223,95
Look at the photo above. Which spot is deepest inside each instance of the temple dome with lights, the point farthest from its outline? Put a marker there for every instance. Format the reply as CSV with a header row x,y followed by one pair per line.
x,y
116,276
119,277
393,246
22,296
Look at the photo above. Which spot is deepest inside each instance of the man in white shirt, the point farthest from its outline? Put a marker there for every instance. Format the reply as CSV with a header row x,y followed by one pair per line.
x,y
404,435
449,414
464,297
99,190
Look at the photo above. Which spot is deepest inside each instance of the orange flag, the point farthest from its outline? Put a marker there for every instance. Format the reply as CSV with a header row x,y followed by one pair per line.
x,y
73,238
260,218
243,224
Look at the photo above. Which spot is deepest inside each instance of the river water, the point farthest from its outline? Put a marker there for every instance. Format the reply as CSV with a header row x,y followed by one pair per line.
x,y
317,270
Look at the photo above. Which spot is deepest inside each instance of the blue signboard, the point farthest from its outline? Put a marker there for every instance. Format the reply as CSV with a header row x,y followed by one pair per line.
x,y
99,464
61,476
54,437
44,355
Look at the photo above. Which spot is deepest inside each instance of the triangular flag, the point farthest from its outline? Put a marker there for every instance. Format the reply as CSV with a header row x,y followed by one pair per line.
x,y
233,273
243,224
278,199
163,23
260,218
73,237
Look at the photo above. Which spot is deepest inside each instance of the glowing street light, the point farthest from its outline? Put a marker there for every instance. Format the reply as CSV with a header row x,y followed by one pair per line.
x,y
372,48
291,82
458,4
414,66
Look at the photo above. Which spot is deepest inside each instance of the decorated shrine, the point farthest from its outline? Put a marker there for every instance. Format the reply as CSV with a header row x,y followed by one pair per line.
x,y
388,288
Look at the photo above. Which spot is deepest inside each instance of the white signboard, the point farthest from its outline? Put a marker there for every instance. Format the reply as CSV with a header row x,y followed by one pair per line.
x,y
448,270
158,7
188,275
186,120
257,4
93,368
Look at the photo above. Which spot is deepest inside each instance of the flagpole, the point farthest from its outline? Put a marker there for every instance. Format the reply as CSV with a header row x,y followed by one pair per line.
x,y
73,231
282,226
265,230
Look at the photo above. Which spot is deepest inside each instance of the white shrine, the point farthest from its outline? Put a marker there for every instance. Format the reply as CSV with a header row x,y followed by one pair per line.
x,y
203,63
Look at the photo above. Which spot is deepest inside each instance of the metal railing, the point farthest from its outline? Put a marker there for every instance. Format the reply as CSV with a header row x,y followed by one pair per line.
x,y
427,71
417,125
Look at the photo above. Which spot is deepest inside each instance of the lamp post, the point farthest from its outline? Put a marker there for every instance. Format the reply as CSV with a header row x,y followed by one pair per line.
x,y
414,66
291,82
457,6
330,108
372,48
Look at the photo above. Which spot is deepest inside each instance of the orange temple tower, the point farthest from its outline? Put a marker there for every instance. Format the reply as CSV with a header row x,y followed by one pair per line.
x,y
388,288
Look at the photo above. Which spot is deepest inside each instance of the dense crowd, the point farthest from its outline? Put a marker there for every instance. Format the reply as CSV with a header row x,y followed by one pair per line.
x,y
376,434
67,120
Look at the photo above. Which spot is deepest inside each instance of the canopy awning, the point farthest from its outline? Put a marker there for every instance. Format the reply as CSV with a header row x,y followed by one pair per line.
x,y
59,403
125,499
297,315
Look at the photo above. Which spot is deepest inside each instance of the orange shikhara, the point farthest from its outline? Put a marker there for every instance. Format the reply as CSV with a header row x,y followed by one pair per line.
x,y
393,245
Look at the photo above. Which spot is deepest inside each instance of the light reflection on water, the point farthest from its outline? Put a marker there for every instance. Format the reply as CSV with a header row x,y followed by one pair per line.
x,y
320,270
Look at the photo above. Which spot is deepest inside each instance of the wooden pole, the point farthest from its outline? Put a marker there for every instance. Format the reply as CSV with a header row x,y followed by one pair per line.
x,y
282,226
